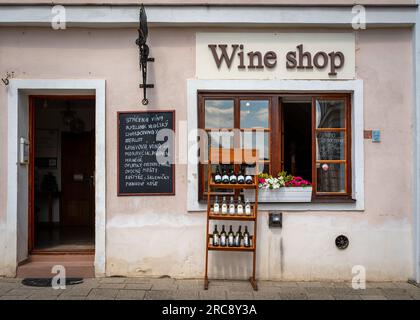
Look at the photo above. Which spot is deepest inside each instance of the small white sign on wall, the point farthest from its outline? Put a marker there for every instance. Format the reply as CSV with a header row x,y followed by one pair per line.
x,y
269,56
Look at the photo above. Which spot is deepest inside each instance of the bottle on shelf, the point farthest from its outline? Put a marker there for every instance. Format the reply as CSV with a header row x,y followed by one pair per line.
x,y
238,237
232,206
224,206
249,179
225,177
231,238
217,176
241,178
247,238
248,208
240,206
216,238
216,206
223,237
232,177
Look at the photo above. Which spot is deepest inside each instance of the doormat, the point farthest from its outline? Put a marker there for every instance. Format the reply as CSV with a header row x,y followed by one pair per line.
x,y
47,282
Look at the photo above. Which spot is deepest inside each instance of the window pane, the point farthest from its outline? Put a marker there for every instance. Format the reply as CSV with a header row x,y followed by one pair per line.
x,y
330,146
218,113
330,177
257,140
254,113
221,139
330,114
264,168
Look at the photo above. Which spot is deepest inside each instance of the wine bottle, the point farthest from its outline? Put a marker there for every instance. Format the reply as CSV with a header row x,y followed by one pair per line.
x,y
249,179
217,177
248,209
223,237
240,206
247,241
216,238
225,177
241,178
216,206
232,206
238,237
232,177
231,237
224,206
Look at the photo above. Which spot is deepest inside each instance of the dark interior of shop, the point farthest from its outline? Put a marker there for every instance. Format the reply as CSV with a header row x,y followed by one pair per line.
x,y
297,139
63,174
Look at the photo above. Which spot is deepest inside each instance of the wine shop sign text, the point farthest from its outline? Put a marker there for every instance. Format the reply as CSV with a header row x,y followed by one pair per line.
x,y
275,55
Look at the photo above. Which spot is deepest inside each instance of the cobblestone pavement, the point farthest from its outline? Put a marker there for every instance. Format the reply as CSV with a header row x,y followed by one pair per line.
x,y
171,289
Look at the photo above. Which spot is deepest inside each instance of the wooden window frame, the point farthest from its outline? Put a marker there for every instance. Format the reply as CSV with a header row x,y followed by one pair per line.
x,y
277,140
327,196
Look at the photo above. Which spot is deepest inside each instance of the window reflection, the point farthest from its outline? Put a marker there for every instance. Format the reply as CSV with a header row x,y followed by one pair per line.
x,y
221,139
218,114
330,114
254,113
257,140
331,177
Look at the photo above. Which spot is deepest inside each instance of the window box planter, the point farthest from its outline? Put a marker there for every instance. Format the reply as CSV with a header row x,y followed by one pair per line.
x,y
284,194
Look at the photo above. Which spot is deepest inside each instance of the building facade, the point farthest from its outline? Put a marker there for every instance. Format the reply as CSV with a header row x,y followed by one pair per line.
x,y
333,88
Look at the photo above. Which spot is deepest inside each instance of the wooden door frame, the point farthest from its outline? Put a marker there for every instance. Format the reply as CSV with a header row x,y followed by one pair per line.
x,y
31,167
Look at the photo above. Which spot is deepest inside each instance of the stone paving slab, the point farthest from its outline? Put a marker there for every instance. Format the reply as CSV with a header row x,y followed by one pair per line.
x,y
347,297
112,286
160,295
102,294
373,297
138,286
313,296
112,280
240,295
171,289
130,295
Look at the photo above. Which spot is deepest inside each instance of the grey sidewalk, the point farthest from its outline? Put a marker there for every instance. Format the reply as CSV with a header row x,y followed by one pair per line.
x,y
166,288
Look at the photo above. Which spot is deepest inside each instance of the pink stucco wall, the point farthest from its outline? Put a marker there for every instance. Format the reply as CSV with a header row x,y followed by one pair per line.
x,y
136,226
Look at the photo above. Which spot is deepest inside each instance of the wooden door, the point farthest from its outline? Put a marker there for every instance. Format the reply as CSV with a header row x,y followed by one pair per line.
x,y
77,179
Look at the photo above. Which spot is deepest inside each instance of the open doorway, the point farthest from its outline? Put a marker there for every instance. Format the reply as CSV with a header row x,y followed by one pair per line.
x,y
62,170
297,136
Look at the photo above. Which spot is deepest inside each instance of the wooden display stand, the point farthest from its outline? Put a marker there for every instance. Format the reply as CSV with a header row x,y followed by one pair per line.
x,y
232,157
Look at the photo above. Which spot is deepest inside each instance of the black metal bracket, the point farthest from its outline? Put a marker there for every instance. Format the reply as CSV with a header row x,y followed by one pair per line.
x,y
143,53
146,86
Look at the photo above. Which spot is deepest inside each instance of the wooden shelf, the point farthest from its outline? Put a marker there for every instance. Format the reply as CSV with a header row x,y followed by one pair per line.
x,y
215,154
241,249
231,217
233,186
243,217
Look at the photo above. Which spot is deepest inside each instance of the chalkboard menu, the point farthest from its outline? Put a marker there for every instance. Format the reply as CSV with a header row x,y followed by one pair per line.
x,y
146,153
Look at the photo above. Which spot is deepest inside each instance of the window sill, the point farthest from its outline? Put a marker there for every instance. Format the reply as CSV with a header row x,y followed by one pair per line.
x,y
314,205
325,201
333,200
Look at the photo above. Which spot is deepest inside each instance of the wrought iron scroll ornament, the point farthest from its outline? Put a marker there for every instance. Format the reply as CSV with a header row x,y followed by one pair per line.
x,y
143,53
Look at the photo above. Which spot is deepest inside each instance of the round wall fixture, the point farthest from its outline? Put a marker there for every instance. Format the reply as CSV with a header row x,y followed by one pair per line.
x,y
342,242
